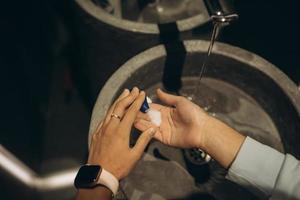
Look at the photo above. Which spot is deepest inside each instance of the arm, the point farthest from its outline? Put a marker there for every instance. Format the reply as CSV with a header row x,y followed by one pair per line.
x,y
260,168
279,174
220,141
251,164
110,143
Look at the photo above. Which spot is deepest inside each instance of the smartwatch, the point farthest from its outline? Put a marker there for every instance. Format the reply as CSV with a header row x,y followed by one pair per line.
x,y
90,176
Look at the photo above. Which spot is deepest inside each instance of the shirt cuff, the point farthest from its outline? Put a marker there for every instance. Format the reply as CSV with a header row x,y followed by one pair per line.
x,y
256,167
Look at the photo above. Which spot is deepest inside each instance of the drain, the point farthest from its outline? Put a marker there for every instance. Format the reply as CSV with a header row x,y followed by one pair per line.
x,y
197,156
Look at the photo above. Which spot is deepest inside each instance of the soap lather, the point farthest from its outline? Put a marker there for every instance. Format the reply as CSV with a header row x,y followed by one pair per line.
x,y
154,115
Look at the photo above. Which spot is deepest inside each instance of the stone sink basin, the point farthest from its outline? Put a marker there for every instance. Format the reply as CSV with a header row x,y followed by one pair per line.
x,y
240,88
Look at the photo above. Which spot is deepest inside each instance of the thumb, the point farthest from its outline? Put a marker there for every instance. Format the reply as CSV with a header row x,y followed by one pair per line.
x,y
144,140
166,98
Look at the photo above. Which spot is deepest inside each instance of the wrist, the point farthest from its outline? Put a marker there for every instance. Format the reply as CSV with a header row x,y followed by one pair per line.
x,y
118,174
99,192
220,141
206,132
108,167
90,176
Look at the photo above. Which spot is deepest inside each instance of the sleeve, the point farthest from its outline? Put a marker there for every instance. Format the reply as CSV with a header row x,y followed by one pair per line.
x,y
265,171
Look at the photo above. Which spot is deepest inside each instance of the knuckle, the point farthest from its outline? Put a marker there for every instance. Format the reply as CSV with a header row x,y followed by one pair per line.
x,y
94,137
119,104
106,129
124,103
119,107
130,99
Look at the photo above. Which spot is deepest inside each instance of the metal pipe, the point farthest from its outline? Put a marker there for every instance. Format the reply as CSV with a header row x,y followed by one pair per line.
x,y
23,174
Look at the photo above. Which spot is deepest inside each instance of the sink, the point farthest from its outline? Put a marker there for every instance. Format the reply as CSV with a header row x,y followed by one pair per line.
x,y
143,16
102,35
240,88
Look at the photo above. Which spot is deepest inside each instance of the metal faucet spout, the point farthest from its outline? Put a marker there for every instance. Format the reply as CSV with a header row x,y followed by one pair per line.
x,y
224,19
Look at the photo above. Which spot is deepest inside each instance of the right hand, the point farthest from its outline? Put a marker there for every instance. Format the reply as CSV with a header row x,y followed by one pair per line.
x,y
110,143
183,122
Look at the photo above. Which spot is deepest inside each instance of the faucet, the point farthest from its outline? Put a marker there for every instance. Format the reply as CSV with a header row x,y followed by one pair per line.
x,y
224,19
221,11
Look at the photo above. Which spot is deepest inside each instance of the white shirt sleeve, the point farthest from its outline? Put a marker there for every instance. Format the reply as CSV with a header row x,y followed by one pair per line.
x,y
265,171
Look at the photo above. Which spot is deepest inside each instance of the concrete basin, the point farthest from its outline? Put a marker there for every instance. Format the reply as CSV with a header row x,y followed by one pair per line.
x,y
240,88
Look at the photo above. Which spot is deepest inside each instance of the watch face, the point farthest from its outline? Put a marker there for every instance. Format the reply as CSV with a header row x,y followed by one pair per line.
x,y
87,176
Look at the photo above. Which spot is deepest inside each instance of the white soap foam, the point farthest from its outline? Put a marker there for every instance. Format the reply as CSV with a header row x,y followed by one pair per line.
x,y
148,100
155,116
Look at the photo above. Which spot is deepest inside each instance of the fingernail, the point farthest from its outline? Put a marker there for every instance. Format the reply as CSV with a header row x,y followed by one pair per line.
x,y
135,88
125,90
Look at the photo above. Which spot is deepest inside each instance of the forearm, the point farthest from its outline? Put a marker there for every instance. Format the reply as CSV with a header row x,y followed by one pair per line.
x,y
94,194
221,142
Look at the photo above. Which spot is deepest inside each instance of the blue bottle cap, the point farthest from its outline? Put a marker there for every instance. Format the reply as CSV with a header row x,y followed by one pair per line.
x,y
145,106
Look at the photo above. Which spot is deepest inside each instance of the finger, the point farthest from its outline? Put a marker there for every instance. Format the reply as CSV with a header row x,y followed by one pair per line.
x,y
124,103
142,115
96,134
132,112
93,140
133,92
124,94
166,98
143,125
99,127
121,106
143,141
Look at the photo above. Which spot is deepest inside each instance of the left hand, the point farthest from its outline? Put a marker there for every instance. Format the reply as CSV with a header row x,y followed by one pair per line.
x,y
110,142
183,124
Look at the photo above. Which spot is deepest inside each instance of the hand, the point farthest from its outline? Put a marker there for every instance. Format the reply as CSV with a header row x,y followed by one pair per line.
x,y
110,142
183,122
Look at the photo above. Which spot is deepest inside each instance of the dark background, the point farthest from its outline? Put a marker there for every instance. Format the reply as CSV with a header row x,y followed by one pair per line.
x,y
45,103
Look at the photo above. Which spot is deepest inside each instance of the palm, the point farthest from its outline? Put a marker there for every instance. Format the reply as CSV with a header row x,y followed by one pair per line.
x,y
179,126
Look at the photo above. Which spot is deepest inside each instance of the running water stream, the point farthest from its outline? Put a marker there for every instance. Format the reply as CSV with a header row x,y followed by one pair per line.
x,y
218,20
203,67
209,50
